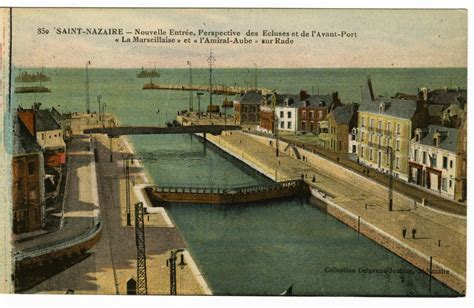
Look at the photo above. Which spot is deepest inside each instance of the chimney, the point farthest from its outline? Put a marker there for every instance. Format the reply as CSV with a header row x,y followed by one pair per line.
x,y
303,95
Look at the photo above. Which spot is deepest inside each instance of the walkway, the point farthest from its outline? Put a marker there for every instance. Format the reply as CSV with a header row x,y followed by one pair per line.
x,y
353,192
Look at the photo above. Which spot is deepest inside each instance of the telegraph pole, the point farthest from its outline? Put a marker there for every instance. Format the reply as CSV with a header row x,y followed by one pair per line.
x,y
211,60
99,97
255,76
141,256
390,178
88,107
127,187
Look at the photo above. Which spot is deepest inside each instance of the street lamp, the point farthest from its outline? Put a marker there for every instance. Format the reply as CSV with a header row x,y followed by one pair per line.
x,y
88,107
390,178
171,263
275,125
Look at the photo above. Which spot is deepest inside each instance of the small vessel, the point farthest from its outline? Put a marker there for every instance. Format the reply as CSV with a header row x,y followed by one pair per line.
x,y
33,89
213,109
26,77
148,74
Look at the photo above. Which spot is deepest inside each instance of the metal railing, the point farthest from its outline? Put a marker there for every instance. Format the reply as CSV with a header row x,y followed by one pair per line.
x,y
229,191
59,244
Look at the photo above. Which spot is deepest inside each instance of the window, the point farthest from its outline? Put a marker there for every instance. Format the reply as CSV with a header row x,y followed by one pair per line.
x,y
424,157
398,129
445,162
289,114
289,125
371,123
32,194
379,125
398,145
444,184
433,161
389,126
362,122
450,183
282,114
415,154
311,115
42,136
361,151
31,168
361,136
370,154
303,114
451,164
397,162
320,114
303,125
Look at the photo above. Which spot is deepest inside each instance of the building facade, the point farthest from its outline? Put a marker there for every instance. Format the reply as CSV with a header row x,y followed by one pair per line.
x,y
27,180
434,161
247,109
313,110
341,122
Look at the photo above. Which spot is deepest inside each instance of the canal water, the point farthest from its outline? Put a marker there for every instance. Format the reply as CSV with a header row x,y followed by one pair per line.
x,y
255,249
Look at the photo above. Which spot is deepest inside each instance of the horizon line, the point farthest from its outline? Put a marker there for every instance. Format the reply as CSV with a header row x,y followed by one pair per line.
x,y
251,67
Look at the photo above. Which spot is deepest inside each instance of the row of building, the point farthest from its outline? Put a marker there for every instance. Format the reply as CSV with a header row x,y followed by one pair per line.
x,y
423,135
39,156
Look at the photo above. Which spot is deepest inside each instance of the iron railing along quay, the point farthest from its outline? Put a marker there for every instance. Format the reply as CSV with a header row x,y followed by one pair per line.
x,y
58,245
229,190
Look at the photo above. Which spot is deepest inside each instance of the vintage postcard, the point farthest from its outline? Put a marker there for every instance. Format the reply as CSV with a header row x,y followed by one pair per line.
x,y
268,152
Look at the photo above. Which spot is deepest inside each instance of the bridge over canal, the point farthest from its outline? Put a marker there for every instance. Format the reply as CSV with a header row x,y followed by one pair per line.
x,y
160,195
114,132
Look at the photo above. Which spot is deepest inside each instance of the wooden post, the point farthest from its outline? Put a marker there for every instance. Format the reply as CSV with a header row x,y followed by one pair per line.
x,y
358,225
431,271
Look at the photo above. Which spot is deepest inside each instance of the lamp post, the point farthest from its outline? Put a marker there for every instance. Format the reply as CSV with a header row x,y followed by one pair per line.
x,y
275,125
171,263
211,61
390,178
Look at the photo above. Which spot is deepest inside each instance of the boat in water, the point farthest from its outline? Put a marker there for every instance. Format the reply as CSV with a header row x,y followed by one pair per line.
x,y
148,74
27,77
33,89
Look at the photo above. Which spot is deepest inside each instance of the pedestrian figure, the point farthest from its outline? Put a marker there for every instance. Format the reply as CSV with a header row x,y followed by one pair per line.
x,y
314,179
302,176
366,206
413,233
279,163
337,159
363,171
240,141
306,175
404,232
367,172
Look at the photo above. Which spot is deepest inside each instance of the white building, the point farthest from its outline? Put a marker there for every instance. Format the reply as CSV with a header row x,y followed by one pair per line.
x,y
434,159
287,114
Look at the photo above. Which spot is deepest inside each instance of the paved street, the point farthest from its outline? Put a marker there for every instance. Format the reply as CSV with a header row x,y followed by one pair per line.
x,y
351,193
113,260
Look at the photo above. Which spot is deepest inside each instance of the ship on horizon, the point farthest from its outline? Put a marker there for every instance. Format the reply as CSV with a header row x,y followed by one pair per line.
x,y
148,74
27,77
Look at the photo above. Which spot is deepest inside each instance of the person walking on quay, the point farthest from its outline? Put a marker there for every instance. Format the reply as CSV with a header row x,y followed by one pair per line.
x,y
314,179
413,233
302,176
404,232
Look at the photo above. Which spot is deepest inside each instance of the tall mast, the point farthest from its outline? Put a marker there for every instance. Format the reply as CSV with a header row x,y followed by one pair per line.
x,y
211,60
255,76
190,86
88,103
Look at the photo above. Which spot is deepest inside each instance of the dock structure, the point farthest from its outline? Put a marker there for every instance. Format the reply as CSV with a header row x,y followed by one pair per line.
x,y
221,195
216,89
114,132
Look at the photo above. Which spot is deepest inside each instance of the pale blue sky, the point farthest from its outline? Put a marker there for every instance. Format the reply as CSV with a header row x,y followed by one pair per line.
x,y
386,38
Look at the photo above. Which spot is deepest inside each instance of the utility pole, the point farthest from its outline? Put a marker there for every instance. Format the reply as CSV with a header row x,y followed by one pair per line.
x,y
99,97
141,256
190,87
127,187
88,107
171,263
390,178
211,60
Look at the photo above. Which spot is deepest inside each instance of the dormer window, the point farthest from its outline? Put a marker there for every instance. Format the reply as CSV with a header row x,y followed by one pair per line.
x,y
417,135
436,138
381,108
